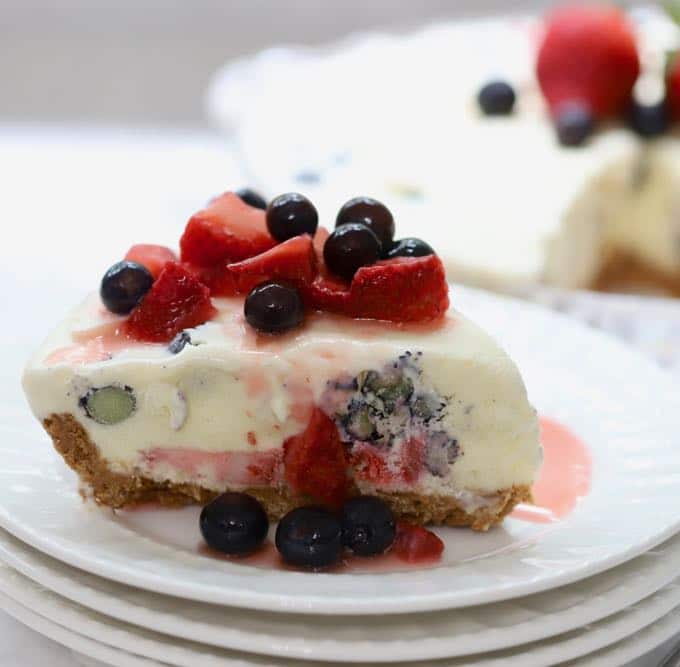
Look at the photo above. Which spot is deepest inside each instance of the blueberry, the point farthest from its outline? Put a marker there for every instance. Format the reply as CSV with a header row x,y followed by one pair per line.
x,y
370,212
110,404
310,537
290,215
648,120
273,308
496,98
178,343
409,247
234,523
574,124
252,198
350,247
368,526
124,285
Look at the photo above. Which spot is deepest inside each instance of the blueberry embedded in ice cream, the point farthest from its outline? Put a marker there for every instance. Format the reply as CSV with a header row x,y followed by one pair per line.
x,y
496,98
124,285
178,343
234,523
409,247
648,120
110,404
441,450
350,247
273,307
290,215
252,198
310,537
368,526
372,213
574,123
389,388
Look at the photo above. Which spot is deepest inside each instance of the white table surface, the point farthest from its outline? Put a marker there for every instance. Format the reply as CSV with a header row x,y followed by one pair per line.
x,y
66,215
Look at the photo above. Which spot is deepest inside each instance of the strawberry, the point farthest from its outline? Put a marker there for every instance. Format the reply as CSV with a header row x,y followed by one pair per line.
x,y
369,465
315,461
228,230
415,544
589,56
219,279
293,261
176,301
153,257
673,86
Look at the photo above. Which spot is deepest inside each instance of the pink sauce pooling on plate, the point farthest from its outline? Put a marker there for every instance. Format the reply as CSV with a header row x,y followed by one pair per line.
x,y
564,477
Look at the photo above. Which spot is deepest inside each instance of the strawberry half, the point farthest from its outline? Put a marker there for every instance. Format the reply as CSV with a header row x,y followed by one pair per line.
x,y
153,257
176,301
415,544
315,461
588,55
226,231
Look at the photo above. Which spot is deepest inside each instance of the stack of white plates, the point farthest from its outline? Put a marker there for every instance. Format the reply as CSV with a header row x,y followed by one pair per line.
x,y
595,588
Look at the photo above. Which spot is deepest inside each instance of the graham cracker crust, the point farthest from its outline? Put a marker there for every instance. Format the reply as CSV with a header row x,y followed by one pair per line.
x,y
116,490
622,272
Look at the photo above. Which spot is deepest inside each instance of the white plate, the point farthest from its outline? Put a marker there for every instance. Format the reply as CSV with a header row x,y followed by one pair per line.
x,y
359,639
182,653
625,409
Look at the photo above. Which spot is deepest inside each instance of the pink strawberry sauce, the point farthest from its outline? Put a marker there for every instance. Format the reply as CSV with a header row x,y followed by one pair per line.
x,y
90,345
564,478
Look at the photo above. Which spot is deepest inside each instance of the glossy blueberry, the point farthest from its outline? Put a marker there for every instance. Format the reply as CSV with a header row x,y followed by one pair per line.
x,y
310,537
368,526
252,198
496,98
574,124
273,308
350,247
178,343
372,213
290,215
124,285
234,523
648,120
409,247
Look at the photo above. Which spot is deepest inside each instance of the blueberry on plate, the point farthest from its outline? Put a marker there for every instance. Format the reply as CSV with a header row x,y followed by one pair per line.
x,y
310,537
273,307
496,98
372,213
124,285
368,526
350,247
234,523
574,124
409,247
290,215
252,198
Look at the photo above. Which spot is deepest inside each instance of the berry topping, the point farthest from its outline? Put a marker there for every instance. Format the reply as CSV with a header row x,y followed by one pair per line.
x,y
588,55
315,461
350,247
179,342
496,98
293,260
415,544
234,523
649,120
290,215
368,526
226,231
109,405
124,285
153,257
673,86
574,124
252,198
273,308
309,537
409,247
370,212
176,301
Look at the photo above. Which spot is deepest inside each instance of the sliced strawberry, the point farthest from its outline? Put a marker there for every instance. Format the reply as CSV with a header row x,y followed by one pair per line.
x,y
415,544
411,460
315,461
153,257
219,279
369,465
226,231
176,301
293,260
